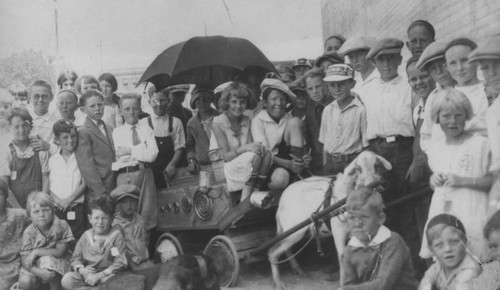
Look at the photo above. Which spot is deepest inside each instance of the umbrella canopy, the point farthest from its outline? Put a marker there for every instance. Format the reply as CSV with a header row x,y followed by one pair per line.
x,y
206,60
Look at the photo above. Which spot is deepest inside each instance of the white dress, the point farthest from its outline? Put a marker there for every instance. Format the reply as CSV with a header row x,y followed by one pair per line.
x,y
239,170
471,158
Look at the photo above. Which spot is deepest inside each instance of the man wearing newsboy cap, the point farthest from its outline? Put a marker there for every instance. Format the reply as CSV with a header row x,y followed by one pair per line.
x,y
356,49
487,54
389,106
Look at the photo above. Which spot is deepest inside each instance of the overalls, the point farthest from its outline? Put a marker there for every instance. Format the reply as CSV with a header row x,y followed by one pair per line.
x,y
27,176
166,151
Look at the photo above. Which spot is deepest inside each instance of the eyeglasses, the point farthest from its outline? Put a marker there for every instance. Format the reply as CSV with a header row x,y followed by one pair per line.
x,y
42,97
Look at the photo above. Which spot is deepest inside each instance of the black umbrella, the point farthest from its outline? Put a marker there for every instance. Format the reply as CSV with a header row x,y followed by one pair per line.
x,y
206,60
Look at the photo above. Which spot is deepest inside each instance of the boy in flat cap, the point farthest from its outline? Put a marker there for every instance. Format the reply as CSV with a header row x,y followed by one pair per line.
x,y
301,66
199,129
432,60
132,225
420,34
356,49
343,124
487,54
389,109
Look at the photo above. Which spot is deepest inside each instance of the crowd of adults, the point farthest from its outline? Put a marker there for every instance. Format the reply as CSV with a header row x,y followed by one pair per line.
x,y
432,118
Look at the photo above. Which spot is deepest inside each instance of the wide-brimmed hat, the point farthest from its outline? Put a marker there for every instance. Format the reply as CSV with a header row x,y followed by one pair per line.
x,y
339,72
385,46
269,84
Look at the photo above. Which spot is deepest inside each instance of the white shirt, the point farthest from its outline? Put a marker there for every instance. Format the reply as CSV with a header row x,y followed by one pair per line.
x,y
145,151
493,125
43,125
431,131
389,108
64,176
360,83
160,125
266,131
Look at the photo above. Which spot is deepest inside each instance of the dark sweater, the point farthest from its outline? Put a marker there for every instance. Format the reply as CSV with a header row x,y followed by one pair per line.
x,y
385,266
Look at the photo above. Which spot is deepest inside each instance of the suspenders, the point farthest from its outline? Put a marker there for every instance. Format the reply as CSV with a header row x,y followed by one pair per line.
x,y
170,125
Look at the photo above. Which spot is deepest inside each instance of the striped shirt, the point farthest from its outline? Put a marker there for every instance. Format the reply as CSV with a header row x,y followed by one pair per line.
x,y
389,108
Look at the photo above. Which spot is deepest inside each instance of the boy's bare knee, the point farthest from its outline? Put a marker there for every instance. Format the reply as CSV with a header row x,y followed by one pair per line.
x,y
26,282
279,179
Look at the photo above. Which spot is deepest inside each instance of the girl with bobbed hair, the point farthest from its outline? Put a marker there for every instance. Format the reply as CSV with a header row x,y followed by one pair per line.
x,y
460,162
66,80
109,85
246,162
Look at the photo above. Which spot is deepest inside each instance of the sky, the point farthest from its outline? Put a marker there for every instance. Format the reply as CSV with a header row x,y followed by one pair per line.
x,y
103,35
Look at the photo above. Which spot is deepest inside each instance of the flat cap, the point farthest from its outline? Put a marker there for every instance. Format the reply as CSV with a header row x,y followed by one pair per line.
x,y
302,62
356,43
268,84
297,90
338,73
333,57
487,49
385,46
432,52
125,190
197,93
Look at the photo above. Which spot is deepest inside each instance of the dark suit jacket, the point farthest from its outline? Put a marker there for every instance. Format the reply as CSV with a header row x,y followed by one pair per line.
x,y
95,153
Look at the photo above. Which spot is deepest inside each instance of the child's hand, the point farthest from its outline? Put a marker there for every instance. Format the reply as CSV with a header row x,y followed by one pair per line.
x,y
92,279
170,171
85,271
30,259
46,275
123,151
64,204
39,144
452,180
437,180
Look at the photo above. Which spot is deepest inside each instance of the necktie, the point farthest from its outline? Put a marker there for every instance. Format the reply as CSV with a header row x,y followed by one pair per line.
x,y
100,124
135,137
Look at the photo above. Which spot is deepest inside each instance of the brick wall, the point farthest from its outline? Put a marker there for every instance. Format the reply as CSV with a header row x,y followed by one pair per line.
x,y
381,18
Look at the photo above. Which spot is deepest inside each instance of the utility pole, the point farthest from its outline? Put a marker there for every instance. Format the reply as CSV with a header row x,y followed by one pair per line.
x,y
57,28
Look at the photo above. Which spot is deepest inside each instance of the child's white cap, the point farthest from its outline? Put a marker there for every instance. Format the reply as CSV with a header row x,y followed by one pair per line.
x,y
339,72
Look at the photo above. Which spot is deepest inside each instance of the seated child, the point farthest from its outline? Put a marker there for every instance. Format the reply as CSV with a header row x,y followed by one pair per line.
x,y
45,253
455,266
490,277
21,166
126,197
375,257
13,221
66,183
100,252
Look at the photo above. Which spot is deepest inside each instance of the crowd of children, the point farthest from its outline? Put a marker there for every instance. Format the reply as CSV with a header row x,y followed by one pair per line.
x,y
87,151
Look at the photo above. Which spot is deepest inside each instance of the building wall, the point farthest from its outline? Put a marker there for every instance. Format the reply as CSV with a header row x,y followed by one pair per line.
x,y
475,19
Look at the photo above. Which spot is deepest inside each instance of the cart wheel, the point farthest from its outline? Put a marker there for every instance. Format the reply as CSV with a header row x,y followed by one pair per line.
x,y
225,257
167,247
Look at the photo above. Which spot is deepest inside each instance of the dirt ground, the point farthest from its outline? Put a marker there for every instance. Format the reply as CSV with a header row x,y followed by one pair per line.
x,y
258,275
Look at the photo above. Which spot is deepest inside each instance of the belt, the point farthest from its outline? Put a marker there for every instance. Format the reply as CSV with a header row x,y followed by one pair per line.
x,y
337,158
390,139
130,169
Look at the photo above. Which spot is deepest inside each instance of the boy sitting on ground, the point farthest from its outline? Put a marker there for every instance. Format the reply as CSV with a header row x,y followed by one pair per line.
x,y
126,197
375,257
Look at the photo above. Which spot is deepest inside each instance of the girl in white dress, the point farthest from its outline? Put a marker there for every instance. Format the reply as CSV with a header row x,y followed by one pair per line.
x,y
246,163
460,164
